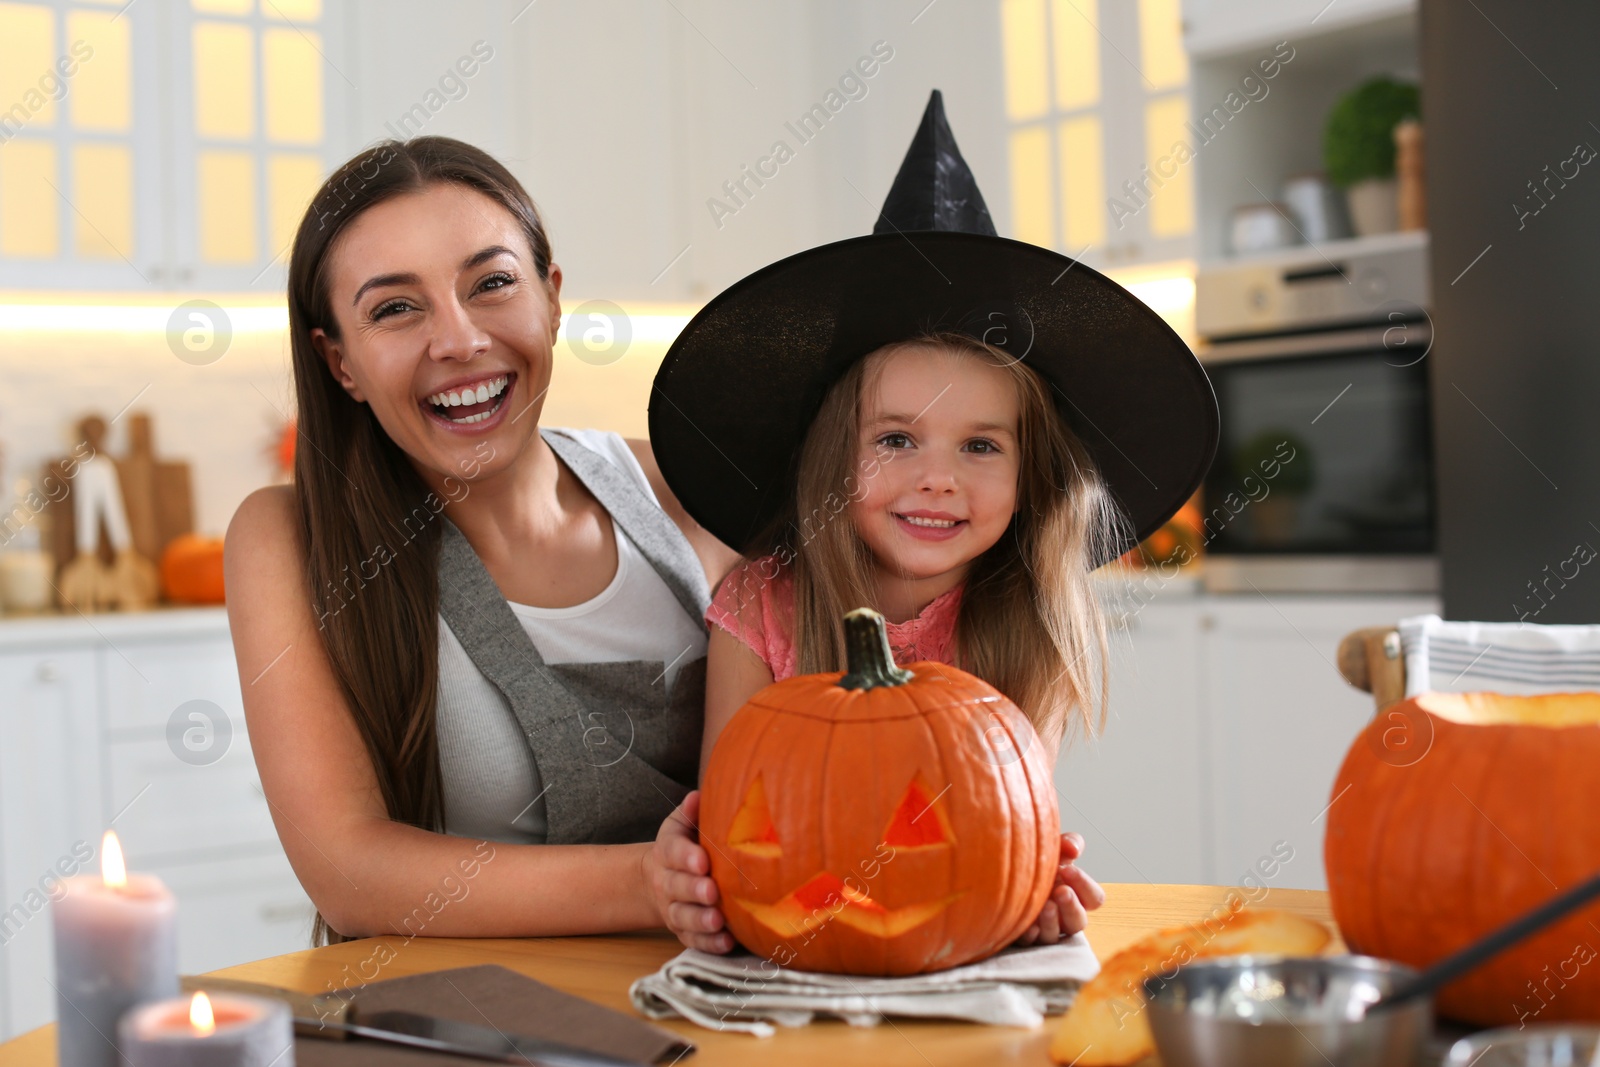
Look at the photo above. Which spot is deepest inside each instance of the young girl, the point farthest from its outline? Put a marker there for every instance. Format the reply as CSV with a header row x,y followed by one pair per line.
x,y
968,514
884,421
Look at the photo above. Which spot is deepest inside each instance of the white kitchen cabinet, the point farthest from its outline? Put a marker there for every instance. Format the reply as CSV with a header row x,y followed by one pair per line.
x,y
1222,27
84,745
248,908
1228,722
1132,790
1281,719
50,801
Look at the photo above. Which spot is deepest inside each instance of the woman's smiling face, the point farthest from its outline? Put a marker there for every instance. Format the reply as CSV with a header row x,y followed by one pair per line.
x,y
445,328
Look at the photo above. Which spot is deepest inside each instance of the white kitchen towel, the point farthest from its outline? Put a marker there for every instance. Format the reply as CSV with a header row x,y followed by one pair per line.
x,y
742,992
1502,657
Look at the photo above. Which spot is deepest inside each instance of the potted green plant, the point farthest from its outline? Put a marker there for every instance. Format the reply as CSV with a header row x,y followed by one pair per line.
x,y
1284,462
1358,150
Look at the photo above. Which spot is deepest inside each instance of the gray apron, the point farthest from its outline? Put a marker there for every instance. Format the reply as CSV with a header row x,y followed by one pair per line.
x,y
615,752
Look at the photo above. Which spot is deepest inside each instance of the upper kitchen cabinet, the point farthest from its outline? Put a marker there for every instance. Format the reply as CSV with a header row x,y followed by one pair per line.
x,y
161,143
1266,74
1221,28
1097,91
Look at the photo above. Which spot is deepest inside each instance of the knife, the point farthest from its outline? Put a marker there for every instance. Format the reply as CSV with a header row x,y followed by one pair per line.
x,y
329,1015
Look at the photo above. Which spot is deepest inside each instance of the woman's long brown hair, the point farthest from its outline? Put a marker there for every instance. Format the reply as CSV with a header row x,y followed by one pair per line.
x,y
1030,623
370,526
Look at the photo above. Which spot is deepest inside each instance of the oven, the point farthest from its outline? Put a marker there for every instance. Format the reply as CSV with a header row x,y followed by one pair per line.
x,y
1323,478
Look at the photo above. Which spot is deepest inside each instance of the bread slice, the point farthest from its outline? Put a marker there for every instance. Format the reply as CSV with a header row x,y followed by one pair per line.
x,y
1106,1026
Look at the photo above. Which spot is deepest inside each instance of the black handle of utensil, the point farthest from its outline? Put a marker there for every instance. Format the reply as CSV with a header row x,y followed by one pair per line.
x,y
1453,967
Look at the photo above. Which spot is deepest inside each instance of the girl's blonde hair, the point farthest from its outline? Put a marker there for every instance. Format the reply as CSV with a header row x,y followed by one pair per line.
x,y
1030,623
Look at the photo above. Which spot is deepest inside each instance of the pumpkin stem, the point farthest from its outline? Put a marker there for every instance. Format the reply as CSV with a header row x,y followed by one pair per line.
x,y
868,661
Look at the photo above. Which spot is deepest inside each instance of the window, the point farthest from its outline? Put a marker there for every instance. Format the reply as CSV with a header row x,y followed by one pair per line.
x,y
257,125
168,142
1096,97
67,133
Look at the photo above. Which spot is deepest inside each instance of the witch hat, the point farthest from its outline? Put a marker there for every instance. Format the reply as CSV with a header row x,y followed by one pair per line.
x,y
740,385
935,189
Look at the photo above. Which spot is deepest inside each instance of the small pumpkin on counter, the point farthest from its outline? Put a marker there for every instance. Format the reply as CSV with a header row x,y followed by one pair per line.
x,y
191,570
880,821
1455,813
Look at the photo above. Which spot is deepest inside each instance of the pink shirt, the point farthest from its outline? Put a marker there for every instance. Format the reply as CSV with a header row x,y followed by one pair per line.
x,y
758,610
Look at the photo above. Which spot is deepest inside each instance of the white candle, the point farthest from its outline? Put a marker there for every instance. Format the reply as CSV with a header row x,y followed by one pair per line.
x,y
220,1030
116,947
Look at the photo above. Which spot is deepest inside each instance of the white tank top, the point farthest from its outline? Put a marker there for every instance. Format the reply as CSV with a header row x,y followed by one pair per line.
x,y
492,788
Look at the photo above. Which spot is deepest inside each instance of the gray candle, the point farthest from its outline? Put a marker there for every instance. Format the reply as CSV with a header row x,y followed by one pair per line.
x,y
116,940
224,1030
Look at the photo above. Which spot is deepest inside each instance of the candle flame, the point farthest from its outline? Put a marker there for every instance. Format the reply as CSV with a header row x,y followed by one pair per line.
x,y
200,1015
113,870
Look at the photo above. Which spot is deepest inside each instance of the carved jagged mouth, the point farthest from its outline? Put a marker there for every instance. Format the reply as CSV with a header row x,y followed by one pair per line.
x,y
826,898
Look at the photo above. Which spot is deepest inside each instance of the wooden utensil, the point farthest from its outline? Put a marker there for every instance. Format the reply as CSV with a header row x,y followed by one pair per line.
x,y
156,491
87,582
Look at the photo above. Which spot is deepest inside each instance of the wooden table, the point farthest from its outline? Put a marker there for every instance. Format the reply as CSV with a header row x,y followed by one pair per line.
x,y
601,969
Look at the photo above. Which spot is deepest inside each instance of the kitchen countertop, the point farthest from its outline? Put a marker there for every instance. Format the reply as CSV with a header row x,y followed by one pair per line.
x,y
22,632
601,969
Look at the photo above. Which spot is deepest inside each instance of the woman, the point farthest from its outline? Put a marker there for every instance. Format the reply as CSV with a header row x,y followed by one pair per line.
x,y
471,651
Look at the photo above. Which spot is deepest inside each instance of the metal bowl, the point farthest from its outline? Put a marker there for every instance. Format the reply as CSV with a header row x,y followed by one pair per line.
x,y
1277,1011
1539,1045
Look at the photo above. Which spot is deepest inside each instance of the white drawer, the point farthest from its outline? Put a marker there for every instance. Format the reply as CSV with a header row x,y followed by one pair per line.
x,y
237,911
169,810
146,681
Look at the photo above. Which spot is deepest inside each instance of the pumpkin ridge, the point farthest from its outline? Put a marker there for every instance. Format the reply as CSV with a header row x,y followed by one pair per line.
x,y
1371,890
1022,921
828,946
880,950
1414,804
753,747
952,864
1484,832
1023,853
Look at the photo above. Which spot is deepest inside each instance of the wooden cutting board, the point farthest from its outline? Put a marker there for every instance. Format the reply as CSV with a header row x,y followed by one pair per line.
x,y
156,493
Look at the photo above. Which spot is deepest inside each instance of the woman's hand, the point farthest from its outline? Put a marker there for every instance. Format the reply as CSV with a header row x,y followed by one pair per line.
x,y
1074,895
678,876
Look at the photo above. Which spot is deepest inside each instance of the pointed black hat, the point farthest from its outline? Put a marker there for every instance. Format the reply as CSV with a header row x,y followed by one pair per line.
x,y
935,189
739,387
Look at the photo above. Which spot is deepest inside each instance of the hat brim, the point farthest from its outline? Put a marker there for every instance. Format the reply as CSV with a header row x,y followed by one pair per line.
x,y
741,384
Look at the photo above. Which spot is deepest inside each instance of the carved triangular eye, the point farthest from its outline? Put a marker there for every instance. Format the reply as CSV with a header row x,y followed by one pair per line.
x,y
752,831
919,821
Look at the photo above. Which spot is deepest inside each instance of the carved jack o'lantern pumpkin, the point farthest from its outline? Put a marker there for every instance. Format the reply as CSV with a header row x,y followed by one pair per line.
x,y
880,821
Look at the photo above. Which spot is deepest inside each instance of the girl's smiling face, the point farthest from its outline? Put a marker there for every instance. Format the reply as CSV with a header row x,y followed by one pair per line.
x,y
944,426
445,327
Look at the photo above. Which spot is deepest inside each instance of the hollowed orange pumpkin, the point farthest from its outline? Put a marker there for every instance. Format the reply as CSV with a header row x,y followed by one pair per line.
x,y
882,820
1453,814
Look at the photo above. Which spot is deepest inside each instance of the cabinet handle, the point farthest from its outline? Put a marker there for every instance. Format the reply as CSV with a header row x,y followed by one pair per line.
x,y
46,671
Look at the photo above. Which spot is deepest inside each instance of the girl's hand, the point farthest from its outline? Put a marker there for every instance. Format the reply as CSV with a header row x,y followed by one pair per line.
x,y
678,877
1075,894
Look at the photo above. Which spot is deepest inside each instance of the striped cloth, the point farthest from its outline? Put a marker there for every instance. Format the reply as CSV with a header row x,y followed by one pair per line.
x,y
1501,657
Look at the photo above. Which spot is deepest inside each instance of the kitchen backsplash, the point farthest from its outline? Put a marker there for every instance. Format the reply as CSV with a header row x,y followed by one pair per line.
x,y
222,417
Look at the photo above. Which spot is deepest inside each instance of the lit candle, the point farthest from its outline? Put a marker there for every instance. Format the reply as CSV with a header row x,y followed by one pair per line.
x,y
224,1030
116,947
